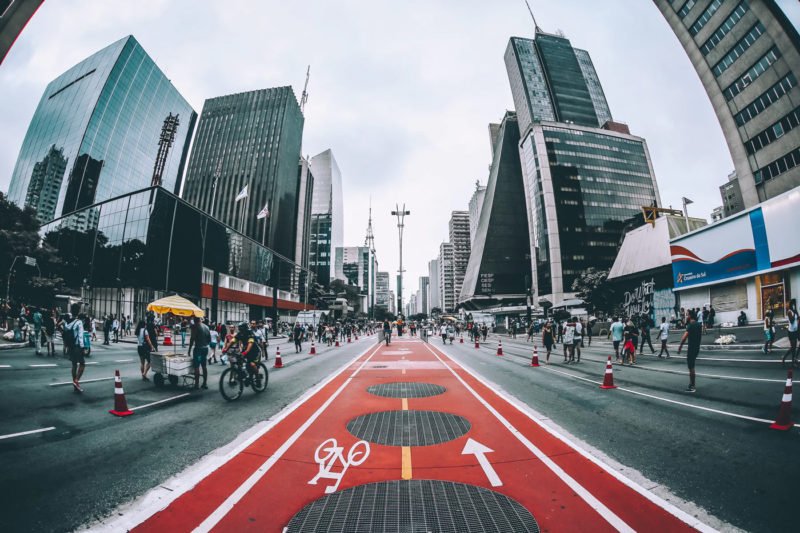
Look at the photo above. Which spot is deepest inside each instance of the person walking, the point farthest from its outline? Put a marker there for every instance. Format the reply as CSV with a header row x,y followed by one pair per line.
x,y
617,329
693,333
792,317
297,334
632,340
115,328
144,347
213,331
645,334
769,332
589,333
199,340
663,336
577,339
49,332
568,333
73,343
547,340
36,318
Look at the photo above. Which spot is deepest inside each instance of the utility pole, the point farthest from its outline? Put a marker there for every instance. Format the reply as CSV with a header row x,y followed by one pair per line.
x,y
400,214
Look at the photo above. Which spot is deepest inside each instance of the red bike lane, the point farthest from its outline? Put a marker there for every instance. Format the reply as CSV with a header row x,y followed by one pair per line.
x,y
459,430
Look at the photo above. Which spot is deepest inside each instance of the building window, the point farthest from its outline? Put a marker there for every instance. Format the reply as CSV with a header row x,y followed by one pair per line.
x,y
724,28
758,68
739,49
778,167
683,11
765,100
770,134
704,17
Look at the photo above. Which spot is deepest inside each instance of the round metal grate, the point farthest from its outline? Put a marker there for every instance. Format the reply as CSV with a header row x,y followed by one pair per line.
x,y
416,505
406,389
408,428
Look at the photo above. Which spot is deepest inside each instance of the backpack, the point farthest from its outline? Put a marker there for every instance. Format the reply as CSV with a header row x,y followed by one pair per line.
x,y
69,335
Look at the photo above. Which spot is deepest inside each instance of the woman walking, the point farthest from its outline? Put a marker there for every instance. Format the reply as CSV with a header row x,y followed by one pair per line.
x,y
547,340
769,332
791,315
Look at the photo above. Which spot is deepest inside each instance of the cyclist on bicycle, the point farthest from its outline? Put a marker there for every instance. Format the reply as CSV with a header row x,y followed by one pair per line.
x,y
250,349
387,331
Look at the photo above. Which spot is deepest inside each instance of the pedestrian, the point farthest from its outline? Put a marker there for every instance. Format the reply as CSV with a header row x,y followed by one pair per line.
x,y
589,330
705,319
617,329
129,324
645,333
297,333
198,348
568,337
577,340
72,336
213,344
115,328
49,332
547,339
451,332
184,326
792,317
632,340
144,346
693,334
106,330
663,336
36,318
768,332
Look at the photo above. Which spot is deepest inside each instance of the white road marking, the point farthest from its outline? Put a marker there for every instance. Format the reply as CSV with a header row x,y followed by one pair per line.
x,y
31,432
123,360
245,487
5,366
523,408
607,514
473,447
43,366
161,401
82,381
91,363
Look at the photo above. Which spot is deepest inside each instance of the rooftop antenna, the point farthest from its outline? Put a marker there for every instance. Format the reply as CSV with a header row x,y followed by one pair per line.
x,y
535,24
369,242
304,97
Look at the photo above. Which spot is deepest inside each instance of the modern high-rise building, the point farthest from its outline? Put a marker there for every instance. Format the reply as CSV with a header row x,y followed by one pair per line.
x,y
352,265
248,147
586,177
382,297
14,15
434,296
327,215
96,131
460,239
305,193
475,206
392,303
747,54
446,278
731,193
422,299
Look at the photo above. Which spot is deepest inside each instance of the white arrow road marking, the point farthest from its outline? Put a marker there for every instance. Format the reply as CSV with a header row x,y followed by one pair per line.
x,y
474,447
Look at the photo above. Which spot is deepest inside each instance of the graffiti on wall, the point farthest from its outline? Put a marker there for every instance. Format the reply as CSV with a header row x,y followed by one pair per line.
x,y
639,300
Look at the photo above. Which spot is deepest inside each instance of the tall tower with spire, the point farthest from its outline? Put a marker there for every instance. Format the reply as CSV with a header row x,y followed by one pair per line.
x,y
369,243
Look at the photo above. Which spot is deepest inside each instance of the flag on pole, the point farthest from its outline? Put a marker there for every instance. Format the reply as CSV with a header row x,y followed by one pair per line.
x,y
242,194
264,213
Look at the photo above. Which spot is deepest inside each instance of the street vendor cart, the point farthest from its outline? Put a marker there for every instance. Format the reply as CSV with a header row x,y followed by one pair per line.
x,y
173,367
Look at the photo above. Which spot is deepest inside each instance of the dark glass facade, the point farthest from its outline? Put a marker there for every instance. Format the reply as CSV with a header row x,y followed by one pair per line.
x,y
251,140
319,248
328,208
103,119
127,251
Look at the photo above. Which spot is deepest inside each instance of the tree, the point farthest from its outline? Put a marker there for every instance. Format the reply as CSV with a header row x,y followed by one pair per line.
x,y
592,287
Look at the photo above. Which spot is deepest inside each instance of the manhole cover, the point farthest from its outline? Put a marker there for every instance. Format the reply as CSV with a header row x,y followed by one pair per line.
x,y
416,505
406,389
408,428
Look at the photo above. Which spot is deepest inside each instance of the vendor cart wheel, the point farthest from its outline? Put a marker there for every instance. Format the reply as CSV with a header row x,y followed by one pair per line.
x,y
173,380
158,379
260,380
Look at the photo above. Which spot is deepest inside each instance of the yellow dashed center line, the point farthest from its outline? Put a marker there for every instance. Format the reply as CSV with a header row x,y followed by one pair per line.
x,y
406,451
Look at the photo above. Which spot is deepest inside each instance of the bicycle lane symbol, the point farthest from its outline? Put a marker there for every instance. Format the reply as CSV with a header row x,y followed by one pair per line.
x,y
329,453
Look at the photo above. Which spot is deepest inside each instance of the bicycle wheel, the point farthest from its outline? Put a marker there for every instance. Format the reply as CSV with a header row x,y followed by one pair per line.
x,y
260,380
230,386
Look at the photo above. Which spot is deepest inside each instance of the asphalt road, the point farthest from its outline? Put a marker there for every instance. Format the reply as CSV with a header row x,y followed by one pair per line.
x,y
92,461
737,469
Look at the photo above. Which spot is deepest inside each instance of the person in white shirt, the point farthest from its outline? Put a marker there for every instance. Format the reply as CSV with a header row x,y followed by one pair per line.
x,y
663,336
577,339
569,342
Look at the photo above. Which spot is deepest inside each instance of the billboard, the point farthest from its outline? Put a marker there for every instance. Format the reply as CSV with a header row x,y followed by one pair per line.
x,y
757,241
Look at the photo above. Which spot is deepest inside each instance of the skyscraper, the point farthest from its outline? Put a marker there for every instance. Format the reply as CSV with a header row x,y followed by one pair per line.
x,y
327,216
434,296
95,133
445,277
586,177
249,143
352,265
382,298
422,299
460,239
475,206
747,54
305,193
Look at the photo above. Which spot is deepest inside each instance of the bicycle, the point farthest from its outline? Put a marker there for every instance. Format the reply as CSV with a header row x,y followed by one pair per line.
x,y
235,378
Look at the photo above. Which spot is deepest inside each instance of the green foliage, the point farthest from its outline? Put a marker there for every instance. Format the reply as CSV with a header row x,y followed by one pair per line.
x,y
592,286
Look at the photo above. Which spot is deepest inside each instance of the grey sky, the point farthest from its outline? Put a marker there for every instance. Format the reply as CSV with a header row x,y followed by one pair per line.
x,y
402,91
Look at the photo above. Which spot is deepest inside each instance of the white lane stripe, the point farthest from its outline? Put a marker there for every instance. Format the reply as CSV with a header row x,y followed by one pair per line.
x,y
91,363
158,402
245,487
568,480
5,366
123,360
82,381
130,515
526,410
43,366
31,432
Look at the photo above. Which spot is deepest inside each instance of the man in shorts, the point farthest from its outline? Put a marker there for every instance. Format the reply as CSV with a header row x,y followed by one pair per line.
x,y
693,333
73,342
617,329
200,339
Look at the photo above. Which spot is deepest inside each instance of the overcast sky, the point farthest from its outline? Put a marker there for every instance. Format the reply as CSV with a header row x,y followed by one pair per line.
x,y
402,91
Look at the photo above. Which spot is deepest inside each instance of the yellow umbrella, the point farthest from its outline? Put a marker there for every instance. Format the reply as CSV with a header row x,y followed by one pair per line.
x,y
175,305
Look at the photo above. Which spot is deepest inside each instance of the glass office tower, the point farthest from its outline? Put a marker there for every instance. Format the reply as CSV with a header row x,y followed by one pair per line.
x,y
747,55
586,178
249,140
96,130
327,214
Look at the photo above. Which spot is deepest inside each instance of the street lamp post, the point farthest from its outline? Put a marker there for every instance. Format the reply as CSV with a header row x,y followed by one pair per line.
x,y
400,214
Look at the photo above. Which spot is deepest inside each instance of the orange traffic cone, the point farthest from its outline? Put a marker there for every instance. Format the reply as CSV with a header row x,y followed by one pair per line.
x,y
120,405
500,347
784,421
535,359
476,343
313,350
348,339
278,361
168,338
608,380
461,340
337,342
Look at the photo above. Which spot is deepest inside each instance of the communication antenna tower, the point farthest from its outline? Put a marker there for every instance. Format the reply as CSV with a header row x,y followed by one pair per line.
x,y
304,97
535,24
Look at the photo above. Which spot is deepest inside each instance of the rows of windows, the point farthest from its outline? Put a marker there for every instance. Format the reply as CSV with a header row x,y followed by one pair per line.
x,y
758,68
773,132
704,17
724,28
684,10
767,98
739,49
778,167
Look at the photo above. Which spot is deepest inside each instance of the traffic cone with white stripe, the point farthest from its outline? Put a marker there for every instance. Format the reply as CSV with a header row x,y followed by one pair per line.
x,y
784,421
535,359
120,405
476,343
461,340
278,360
500,347
608,380
337,342
313,350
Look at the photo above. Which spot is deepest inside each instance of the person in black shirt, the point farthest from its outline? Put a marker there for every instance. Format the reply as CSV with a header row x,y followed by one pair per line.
x,y
693,333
